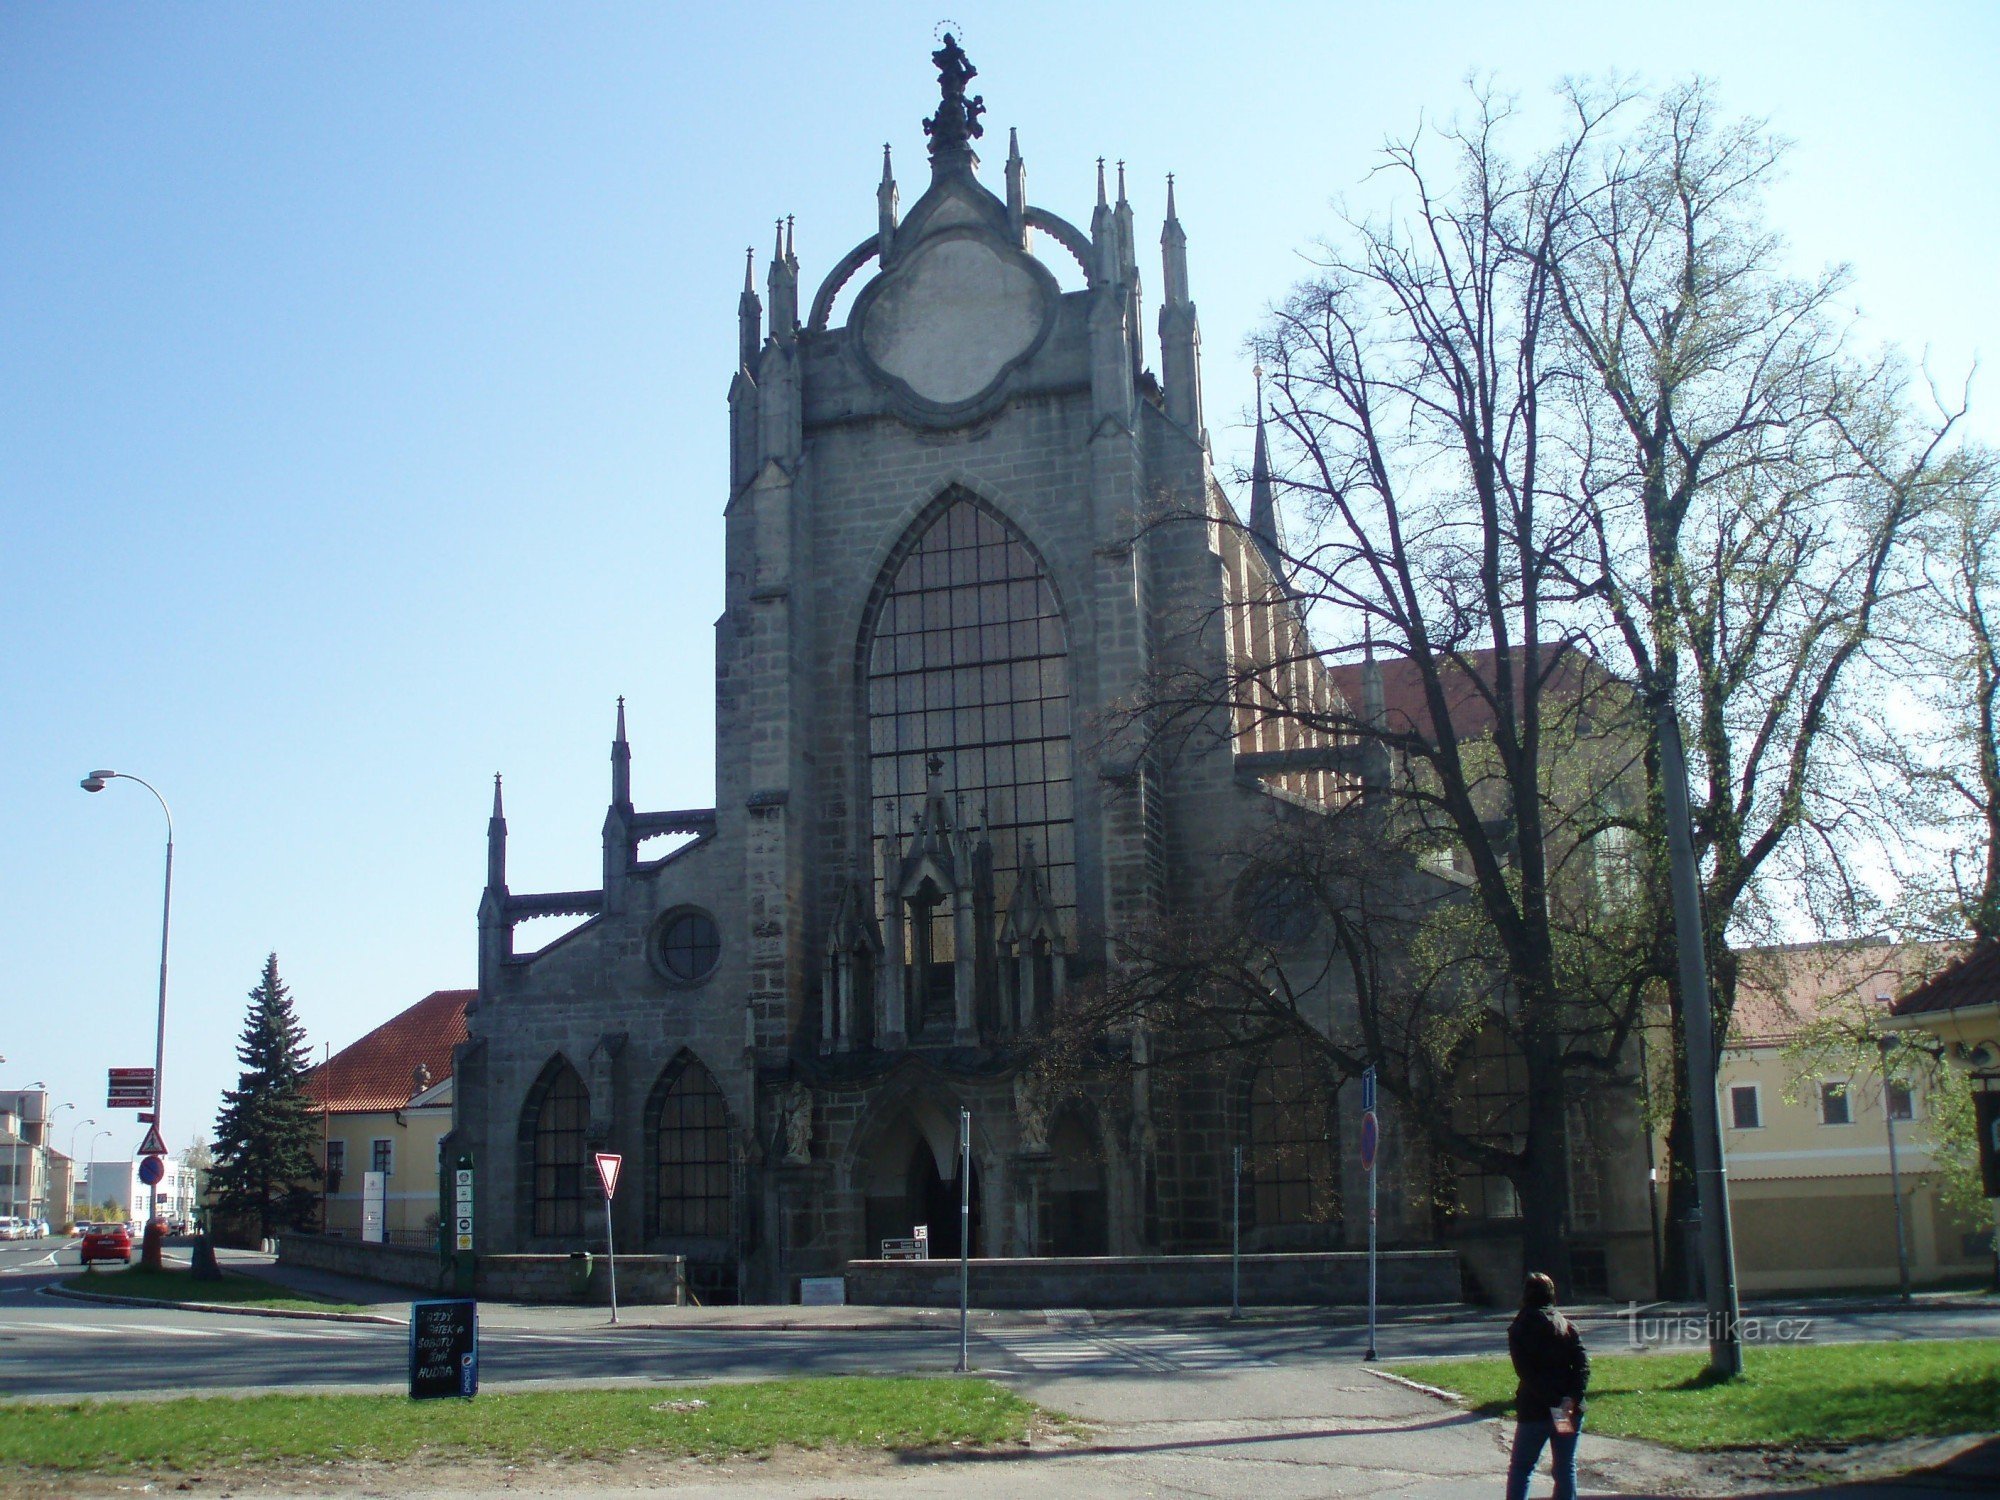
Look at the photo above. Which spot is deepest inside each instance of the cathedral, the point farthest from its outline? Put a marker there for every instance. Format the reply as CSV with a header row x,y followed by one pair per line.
x,y
933,816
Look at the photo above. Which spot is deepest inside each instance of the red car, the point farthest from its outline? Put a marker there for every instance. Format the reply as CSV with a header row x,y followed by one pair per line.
x,y
107,1242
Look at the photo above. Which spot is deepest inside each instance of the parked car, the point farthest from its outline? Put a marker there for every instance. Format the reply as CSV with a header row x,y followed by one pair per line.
x,y
107,1242
12,1228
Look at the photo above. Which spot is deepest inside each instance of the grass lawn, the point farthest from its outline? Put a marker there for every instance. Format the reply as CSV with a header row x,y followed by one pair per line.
x,y
1802,1395
173,1285
711,1420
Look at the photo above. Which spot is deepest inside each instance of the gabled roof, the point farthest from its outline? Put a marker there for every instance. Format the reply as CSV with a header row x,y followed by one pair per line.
x,y
1973,980
380,1070
1782,989
1568,676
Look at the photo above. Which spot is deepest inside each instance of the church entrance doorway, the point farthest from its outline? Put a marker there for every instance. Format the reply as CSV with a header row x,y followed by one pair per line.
x,y
903,1185
1077,1215
934,1199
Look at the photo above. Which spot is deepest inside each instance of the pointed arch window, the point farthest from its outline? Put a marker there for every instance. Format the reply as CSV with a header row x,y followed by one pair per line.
x,y
1292,1169
691,1158
560,1152
966,659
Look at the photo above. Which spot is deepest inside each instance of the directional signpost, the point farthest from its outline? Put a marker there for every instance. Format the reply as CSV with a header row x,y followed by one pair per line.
x,y
129,1088
1371,1133
607,1173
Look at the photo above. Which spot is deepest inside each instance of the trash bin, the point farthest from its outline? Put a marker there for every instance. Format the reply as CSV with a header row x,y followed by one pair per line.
x,y
579,1274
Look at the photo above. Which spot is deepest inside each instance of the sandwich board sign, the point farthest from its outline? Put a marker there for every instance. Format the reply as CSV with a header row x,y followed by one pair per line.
x,y
444,1349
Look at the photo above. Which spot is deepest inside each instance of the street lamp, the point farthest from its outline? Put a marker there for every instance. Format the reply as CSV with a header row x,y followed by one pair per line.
x,y
48,1180
94,1140
96,781
72,1165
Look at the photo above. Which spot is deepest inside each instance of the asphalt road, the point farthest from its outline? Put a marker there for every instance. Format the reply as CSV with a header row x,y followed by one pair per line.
x,y
51,1346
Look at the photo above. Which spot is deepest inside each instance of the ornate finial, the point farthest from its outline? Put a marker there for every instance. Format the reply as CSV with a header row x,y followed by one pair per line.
x,y
935,764
956,124
791,253
1100,182
1121,181
749,268
1170,195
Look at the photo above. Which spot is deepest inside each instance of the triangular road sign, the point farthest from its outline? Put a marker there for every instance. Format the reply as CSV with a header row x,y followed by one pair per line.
x,y
152,1145
607,1171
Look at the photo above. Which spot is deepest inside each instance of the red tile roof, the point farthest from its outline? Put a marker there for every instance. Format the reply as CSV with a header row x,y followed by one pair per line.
x,y
1973,980
379,1071
1781,989
1568,677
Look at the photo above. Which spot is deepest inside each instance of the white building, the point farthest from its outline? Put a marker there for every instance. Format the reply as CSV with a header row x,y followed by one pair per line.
x,y
118,1182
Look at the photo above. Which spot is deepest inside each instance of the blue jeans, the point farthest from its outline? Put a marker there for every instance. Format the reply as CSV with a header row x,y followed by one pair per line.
x,y
1529,1439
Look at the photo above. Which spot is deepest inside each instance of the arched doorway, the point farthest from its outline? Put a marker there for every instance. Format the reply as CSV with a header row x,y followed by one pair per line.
x,y
1077,1217
908,1175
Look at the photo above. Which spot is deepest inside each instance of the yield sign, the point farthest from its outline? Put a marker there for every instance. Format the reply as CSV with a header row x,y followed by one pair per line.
x,y
152,1145
607,1171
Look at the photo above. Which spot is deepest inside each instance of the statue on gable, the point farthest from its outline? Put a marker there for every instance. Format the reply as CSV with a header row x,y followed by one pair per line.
x,y
1031,1111
956,122
795,1125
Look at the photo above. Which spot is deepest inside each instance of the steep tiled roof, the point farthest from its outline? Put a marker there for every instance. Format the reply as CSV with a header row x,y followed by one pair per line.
x,y
379,1071
1973,980
1781,989
1568,677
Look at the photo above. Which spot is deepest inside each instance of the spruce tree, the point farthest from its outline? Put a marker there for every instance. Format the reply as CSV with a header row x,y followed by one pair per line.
x,y
267,1136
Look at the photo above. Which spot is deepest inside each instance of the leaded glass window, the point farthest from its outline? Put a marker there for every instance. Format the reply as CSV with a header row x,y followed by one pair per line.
x,y
691,1156
968,662
1292,1170
560,1155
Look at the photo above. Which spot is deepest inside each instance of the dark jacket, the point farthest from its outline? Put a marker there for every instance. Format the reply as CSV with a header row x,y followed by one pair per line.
x,y
1549,1358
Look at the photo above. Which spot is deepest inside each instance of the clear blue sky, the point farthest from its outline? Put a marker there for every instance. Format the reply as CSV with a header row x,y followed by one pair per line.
x,y
361,398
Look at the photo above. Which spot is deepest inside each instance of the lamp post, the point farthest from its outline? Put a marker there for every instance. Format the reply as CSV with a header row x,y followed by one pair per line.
x,y
72,1165
93,1143
96,781
48,1179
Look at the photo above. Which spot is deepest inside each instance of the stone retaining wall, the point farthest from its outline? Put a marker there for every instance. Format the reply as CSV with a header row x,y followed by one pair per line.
x,y
1334,1279
648,1279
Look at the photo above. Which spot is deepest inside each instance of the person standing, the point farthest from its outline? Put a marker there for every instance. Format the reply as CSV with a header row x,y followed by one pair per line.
x,y
1554,1370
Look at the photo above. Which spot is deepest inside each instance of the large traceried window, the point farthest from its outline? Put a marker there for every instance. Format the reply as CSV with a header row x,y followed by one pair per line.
x,y
1293,1173
691,1183
560,1154
967,662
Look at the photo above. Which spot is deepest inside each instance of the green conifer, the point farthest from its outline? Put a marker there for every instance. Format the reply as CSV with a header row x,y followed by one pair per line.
x,y
267,1137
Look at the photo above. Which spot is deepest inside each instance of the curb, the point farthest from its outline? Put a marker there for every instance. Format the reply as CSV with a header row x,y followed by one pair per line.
x,y
1435,1392
232,1309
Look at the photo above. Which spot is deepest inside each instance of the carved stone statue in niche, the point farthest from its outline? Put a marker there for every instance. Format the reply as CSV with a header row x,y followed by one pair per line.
x,y
1031,1111
795,1117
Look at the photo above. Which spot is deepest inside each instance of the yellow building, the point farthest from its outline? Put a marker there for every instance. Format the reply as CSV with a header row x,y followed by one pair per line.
x,y
1809,1147
385,1106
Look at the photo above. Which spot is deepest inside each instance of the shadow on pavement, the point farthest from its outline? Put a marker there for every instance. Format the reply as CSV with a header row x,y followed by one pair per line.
x,y
1238,1440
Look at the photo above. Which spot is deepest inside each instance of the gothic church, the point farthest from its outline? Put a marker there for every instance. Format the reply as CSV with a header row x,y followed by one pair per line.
x,y
929,824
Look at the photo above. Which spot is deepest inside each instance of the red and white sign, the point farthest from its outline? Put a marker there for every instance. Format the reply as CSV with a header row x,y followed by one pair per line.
x,y
129,1088
607,1171
152,1145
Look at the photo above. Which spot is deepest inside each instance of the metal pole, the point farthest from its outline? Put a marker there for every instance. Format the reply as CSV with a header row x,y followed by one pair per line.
x,y
1236,1234
1372,1177
1725,1351
611,1256
1895,1179
1652,1157
964,1230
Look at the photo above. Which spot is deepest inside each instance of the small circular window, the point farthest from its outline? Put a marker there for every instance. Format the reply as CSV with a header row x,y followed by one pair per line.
x,y
687,946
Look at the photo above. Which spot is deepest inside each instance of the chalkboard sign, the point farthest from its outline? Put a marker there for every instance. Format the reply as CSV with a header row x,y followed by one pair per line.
x,y
444,1349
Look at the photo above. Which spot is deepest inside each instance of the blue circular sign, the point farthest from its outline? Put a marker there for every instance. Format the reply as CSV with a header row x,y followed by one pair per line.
x,y
151,1169
1370,1138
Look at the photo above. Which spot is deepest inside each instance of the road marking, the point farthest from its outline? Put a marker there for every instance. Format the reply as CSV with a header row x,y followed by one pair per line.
x,y
1164,1352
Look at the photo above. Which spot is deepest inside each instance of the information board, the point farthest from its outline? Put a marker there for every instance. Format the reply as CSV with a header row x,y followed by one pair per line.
x,y
444,1349
822,1291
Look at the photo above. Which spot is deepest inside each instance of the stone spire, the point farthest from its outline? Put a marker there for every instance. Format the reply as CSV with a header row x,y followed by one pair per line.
x,y
784,283
887,202
1180,329
749,315
621,764
1263,502
1017,188
955,126
496,843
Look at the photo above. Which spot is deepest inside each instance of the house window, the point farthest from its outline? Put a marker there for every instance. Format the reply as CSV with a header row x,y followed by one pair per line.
x,y
336,1163
1746,1111
382,1156
691,1160
1902,1104
1833,1104
1291,1163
